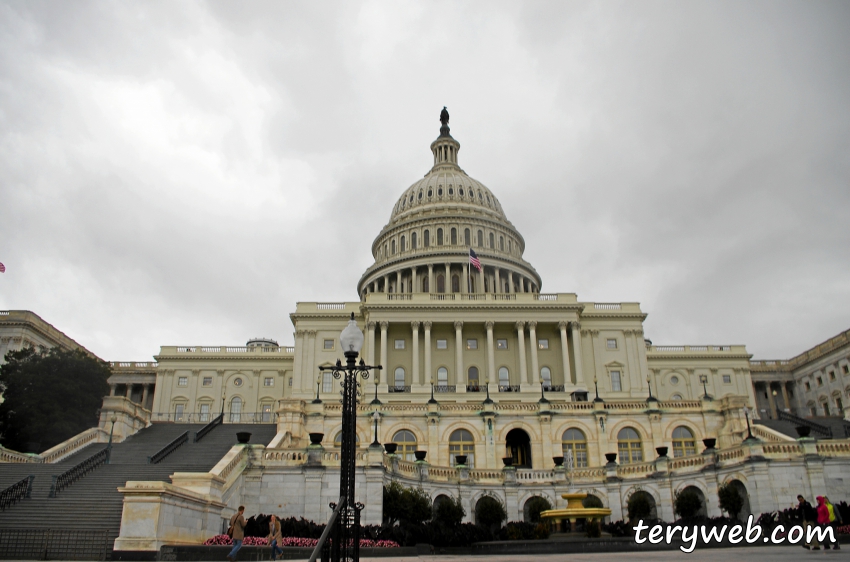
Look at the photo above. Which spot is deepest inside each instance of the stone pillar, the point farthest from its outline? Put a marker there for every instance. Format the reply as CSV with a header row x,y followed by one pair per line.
x,y
448,283
771,401
386,368
481,280
498,282
565,354
370,339
145,392
465,282
129,391
431,288
416,378
112,389
398,281
576,327
414,280
427,326
785,398
535,365
523,369
491,357
386,283
460,376
511,282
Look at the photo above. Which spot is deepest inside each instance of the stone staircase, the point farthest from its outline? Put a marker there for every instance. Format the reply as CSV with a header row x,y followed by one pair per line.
x,y
93,502
839,426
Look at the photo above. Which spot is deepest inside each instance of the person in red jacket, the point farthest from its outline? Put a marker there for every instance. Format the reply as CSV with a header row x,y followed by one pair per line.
x,y
824,523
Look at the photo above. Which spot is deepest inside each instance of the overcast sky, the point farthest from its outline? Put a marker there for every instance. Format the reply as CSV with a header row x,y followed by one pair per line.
x,y
182,173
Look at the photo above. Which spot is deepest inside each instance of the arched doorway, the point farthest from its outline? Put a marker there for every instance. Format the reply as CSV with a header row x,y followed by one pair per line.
x,y
742,491
518,446
641,505
702,512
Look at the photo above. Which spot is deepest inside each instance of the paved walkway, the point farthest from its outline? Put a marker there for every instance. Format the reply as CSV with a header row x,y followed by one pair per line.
x,y
751,554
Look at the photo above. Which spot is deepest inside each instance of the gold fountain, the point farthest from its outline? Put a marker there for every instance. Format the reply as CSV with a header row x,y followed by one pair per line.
x,y
574,511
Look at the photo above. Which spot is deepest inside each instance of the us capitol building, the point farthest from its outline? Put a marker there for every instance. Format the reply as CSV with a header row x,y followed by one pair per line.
x,y
481,364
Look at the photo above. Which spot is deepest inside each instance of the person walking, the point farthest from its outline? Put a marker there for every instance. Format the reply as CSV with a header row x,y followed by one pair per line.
x,y
237,525
275,537
824,523
834,520
810,517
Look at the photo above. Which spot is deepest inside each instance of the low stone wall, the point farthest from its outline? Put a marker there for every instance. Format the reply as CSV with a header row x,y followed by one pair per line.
x,y
262,553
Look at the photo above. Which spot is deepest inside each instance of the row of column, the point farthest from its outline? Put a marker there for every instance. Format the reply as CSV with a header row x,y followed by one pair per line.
x,y
770,389
460,370
407,280
128,391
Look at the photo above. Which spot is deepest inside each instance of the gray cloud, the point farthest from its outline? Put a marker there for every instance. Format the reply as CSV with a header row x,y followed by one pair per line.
x,y
184,173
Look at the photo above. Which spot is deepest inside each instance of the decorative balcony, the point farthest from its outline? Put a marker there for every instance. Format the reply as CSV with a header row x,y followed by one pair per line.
x,y
445,388
393,389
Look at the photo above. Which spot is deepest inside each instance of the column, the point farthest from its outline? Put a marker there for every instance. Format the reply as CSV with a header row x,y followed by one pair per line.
x,y
414,280
129,390
511,282
535,365
384,366
370,339
460,376
431,288
481,280
415,378
398,281
464,285
565,354
498,282
576,327
145,392
112,389
523,369
386,283
448,284
427,326
771,400
785,398
491,357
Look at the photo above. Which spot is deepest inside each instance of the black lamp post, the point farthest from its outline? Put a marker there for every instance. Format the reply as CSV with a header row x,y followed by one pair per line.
x,y
749,431
432,400
318,384
704,380
542,396
596,386
111,430
376,416
346,532
376,402
649,385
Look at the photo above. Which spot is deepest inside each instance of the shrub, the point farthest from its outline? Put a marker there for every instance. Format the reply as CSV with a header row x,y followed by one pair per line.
x,y
593,530
541,531
730,500
687,503
449,512
408,505
639,506
536,505
489,512
591,501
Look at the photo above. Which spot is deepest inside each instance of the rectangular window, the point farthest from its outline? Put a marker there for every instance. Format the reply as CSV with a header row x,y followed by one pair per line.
x,y
399,344
442,344
501,344
820,381
267,412
205,413
328,344
612,344
268,381
178,412
615,381
727,379
290,381
846,369
809,387
207,381
832,375
327,382
814,411
471,344
542,344
182,381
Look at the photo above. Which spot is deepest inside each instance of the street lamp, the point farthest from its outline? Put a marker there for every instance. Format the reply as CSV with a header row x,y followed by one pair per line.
x,y
542,397
596,386
704,380
649,385
749,431
432,400
345,543
376,402
318,384
111,430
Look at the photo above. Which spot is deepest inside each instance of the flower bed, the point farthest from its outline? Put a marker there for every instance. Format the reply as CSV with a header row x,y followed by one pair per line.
x,y
224,540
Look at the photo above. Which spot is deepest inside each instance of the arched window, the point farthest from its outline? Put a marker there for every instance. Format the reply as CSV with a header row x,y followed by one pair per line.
x,y
574,442
426,238
480,238
439,237
472,380
235,410
425,287
467,237
441,284
684,444
492,242
406,444
393,246
504,376
462,443
546,375
629,447
338,439
402,246
413,241
454,236
502,243
442,376
455,283
399,376
386,253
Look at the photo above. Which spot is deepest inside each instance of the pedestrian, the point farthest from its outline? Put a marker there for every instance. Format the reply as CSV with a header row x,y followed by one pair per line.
x,y
835,520
275,537
810,517
237,524
824,523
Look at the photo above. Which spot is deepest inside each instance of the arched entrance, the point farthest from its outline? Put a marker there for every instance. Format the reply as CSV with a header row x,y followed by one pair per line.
x,y
518,446
641,505
702,512
742,491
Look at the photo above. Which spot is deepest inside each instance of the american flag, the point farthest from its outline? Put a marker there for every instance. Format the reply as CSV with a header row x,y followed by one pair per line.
x,y
473,259
2,268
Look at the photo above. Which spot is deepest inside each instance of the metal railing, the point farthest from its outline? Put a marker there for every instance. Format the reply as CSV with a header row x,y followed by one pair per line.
x,y
181,439
323,546
399,388
508,388
219,419
53,544
473,388
62,481
16,492
445,388
816,427
554,388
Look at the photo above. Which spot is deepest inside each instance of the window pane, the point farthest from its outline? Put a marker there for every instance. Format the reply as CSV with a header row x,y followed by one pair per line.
x,y
615,381
327,382
504,376
471,344
501,344
546,375
399,344
399,376
441,344
473,375
543,344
